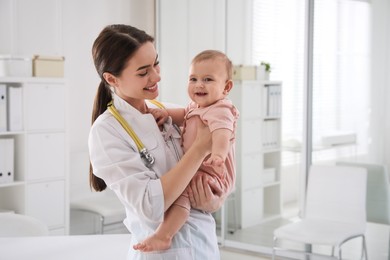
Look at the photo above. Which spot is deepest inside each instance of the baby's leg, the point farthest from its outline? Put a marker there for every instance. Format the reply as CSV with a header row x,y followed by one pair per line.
x,y
174,219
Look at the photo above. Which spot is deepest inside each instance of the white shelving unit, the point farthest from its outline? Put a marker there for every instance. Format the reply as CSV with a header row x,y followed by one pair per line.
x,y
40,187
258,150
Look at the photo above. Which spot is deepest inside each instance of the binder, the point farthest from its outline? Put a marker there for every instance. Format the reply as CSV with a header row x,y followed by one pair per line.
x,y
3,108
6,160
274,100
266,101
15,113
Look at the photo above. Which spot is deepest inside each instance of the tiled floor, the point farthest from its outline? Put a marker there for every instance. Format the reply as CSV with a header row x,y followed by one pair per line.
x,y
230,254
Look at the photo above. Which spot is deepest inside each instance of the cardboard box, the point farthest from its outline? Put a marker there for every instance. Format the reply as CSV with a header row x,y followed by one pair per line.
x,y
15,66
242,72
47,66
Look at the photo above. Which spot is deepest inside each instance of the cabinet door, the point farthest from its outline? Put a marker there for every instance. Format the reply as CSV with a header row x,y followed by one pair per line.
x,y
251,100
251,171
44,106
252,207
251,136
46,201
45,154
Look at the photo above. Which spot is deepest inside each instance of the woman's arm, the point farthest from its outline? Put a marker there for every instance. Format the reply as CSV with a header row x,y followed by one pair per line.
x,y
176,180
205,195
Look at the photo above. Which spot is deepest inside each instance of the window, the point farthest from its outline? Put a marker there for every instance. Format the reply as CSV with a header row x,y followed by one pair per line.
x,y
341,67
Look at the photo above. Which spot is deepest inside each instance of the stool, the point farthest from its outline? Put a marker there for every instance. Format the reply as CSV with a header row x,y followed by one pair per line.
x,y
107,207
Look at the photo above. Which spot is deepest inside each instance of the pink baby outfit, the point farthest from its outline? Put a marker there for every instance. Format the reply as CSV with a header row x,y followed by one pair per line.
x,y
221,114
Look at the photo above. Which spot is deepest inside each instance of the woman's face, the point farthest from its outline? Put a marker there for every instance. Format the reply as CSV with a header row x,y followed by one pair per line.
x,y
138,81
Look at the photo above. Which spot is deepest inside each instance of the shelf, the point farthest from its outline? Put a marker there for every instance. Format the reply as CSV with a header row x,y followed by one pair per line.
x,y
271,184
11,184
272,150
258,148
261,82
272,117
23,80
39,151
316,148
31,132
11,133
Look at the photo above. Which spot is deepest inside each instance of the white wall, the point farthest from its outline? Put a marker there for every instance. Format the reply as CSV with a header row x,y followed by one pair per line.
x,y
68,28
27,27
182,32
82,22
193,26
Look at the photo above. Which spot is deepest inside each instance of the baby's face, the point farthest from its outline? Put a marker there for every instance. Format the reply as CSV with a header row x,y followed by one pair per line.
x,y
207,82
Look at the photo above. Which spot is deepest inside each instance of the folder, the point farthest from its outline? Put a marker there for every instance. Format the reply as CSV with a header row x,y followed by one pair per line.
x,y
15,113
266,101
6,160
3,108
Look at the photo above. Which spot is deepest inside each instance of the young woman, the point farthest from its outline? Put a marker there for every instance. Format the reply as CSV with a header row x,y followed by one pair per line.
x,y
148,171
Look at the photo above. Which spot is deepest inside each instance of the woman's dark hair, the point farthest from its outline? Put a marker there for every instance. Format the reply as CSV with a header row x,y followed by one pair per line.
x,y
112,49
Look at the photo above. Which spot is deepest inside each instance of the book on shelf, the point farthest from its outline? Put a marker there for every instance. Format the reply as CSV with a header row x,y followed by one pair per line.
x,y
6,160
272,100
271,134
15,113
3,108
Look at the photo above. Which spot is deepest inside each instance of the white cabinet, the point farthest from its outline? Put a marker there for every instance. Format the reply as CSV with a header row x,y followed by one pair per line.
x,y
45,201
40,186
49,161
258,151
50,113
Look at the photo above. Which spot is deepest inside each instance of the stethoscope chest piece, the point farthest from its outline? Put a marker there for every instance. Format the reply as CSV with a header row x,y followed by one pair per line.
x,y
147,157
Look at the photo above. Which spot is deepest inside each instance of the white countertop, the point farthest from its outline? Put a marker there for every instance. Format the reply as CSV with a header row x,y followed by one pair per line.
x,y
84,247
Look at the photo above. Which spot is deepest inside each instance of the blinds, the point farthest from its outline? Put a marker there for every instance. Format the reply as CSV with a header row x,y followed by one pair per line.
x,y
341,66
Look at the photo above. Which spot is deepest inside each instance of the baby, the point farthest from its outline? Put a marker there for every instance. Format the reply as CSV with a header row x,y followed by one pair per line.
x,y
210,81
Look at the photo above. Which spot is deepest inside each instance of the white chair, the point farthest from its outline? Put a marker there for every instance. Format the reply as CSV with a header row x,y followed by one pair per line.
x,y
17,225
107,207
378,193
335,210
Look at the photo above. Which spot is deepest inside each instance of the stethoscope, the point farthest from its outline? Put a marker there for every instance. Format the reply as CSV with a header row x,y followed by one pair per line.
x,y
146,157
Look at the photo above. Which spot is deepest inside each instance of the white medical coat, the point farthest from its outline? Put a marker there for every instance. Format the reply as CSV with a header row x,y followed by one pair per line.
x,y
115,159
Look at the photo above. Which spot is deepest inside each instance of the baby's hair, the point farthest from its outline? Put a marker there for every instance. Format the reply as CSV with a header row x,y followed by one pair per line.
x,y
214,54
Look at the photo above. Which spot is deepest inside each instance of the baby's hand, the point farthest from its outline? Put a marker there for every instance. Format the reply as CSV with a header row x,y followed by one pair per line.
x,y
160,115
217,163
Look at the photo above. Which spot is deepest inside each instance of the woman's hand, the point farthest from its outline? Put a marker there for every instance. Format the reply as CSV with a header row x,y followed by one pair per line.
x,y
204,194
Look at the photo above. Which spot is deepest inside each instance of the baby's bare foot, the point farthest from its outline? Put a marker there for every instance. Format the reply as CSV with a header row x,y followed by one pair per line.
x,y
153,243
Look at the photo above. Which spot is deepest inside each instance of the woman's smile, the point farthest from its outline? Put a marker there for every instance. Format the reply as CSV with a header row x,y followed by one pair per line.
x,y
152,88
